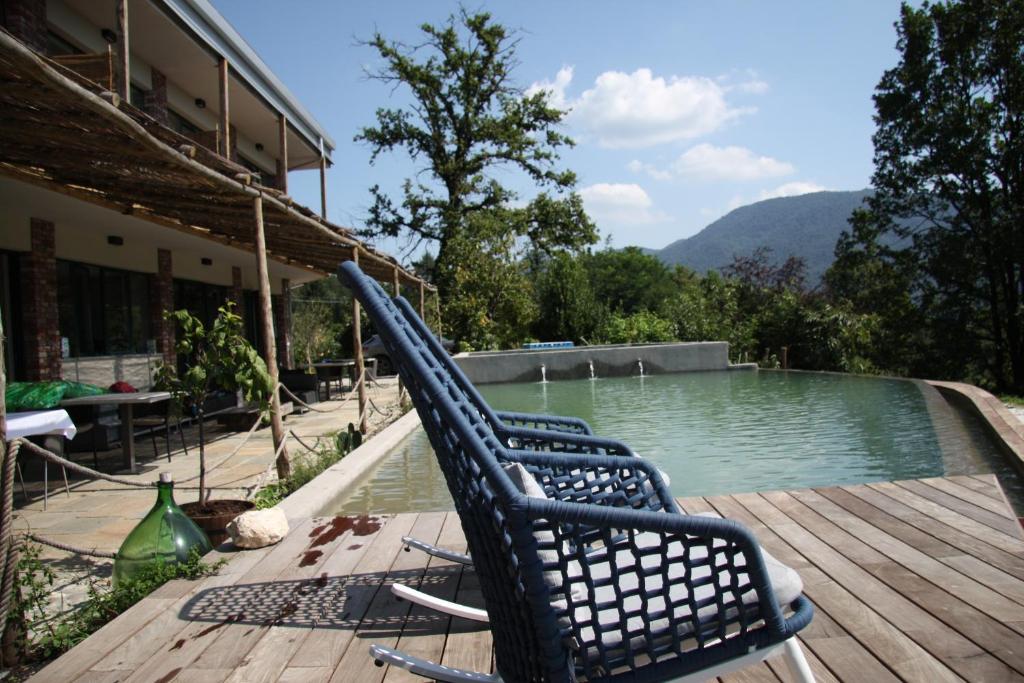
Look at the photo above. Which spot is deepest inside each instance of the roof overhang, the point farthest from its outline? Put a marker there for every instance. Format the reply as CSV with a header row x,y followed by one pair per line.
x,y
59,132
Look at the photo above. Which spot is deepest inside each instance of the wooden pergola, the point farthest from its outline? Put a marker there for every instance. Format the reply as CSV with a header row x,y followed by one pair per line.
x,y
68,134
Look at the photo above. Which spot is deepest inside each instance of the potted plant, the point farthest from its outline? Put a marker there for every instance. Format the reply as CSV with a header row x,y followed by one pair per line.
x,y
215,357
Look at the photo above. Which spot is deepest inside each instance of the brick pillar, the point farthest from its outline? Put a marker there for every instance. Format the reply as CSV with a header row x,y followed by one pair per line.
x,y
282,306
26,20
156,97
41,326
161,297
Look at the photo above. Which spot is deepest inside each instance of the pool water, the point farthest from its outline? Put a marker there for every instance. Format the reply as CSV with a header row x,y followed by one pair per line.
x,y
730,432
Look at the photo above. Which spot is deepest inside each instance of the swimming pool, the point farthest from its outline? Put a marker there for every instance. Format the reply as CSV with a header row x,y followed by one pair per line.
x,y
730,432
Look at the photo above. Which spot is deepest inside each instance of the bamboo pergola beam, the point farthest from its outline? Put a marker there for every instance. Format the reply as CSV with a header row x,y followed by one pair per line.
x,y
123,159
124,77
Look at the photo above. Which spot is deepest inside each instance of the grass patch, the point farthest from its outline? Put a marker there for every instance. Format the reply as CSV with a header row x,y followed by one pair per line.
x,y
1015,401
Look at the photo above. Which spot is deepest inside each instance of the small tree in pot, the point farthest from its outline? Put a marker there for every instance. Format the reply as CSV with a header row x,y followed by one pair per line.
x,y
215,357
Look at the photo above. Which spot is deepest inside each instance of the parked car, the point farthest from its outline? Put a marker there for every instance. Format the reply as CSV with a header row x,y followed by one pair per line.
x,y
374,348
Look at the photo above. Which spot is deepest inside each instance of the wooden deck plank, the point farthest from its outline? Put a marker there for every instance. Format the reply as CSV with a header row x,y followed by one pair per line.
x,y
425,631
999,539
910,581
999,522
944,576
967,495
942,642
982,486
1009,562
879,639
386,615
469,644
325,647
245,611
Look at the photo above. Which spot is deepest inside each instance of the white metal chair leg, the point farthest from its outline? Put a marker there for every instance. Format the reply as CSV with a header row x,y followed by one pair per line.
x,y
797,663
422,667
403,592
436,551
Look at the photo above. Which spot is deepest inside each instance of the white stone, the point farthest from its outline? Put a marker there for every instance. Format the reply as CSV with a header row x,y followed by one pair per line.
x,y
257,528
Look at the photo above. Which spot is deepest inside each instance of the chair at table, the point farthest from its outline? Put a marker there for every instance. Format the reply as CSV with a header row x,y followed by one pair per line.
x,y
160,416
587,568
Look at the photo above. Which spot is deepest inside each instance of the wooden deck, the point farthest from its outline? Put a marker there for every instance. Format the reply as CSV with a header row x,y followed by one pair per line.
x,y
916,581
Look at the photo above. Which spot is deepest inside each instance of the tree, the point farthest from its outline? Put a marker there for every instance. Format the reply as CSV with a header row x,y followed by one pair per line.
x,y
315,332
467,124
948,177
490,300
567,307
628,280
215,357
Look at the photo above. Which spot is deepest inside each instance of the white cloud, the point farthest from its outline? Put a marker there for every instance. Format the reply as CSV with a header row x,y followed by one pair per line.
x,y
639,109
792,189
707,162
621,204
555,89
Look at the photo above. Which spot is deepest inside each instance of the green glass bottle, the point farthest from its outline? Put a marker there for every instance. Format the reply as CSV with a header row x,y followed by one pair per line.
x,y
164,534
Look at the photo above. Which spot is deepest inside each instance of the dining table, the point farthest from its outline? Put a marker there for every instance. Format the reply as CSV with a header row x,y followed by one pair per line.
x,y
126,403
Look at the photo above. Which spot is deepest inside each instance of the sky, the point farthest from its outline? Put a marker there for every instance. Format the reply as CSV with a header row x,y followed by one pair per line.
x,y
681,110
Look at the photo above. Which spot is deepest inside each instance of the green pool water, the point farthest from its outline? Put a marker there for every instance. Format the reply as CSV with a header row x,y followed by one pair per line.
x,y
731,432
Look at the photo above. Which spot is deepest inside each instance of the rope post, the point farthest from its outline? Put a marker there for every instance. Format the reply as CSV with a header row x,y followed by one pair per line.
x,y
398,292
357,347
423,298
284,468
437,310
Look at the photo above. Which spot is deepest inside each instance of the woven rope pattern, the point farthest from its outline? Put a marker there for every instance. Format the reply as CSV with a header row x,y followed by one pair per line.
x,y
600,580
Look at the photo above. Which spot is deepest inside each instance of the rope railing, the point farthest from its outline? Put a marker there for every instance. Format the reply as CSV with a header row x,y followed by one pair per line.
x,y
11,550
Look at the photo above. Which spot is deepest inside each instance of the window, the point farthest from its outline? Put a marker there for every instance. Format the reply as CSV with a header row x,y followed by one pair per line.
x,y
103,311
56,45
180,124
201,299
137,96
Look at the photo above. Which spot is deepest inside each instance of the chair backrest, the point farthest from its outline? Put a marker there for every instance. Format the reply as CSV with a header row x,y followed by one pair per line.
x,y
433,345
527,638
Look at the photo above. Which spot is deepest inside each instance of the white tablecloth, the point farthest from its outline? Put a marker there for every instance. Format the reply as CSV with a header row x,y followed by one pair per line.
x,y
36,422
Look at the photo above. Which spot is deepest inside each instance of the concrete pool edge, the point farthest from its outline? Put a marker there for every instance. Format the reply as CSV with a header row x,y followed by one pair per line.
x,y
321,495
1002,424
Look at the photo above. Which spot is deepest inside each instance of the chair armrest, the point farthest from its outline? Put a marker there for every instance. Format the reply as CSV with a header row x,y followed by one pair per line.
x,y
527,439
557,423
659,571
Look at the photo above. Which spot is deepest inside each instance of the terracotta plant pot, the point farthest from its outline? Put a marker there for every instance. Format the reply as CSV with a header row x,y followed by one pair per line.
x,y
213,518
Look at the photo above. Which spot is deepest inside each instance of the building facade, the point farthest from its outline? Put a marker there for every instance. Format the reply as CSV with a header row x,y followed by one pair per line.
x,y
84,278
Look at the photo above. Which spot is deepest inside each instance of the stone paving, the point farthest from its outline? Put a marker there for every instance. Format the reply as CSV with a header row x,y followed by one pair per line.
x,y
99,514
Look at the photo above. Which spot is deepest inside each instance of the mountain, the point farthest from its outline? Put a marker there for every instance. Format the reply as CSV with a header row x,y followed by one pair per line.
x,y
807,226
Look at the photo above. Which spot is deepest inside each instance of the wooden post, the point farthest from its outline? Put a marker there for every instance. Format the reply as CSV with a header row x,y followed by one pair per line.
x,y
437,309
398,286
323,183
423,297
785,357
284,468
225,109
282,152
357,343
124,75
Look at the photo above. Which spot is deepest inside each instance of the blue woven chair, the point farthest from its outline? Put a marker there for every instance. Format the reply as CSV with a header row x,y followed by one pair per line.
x,y
665,596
